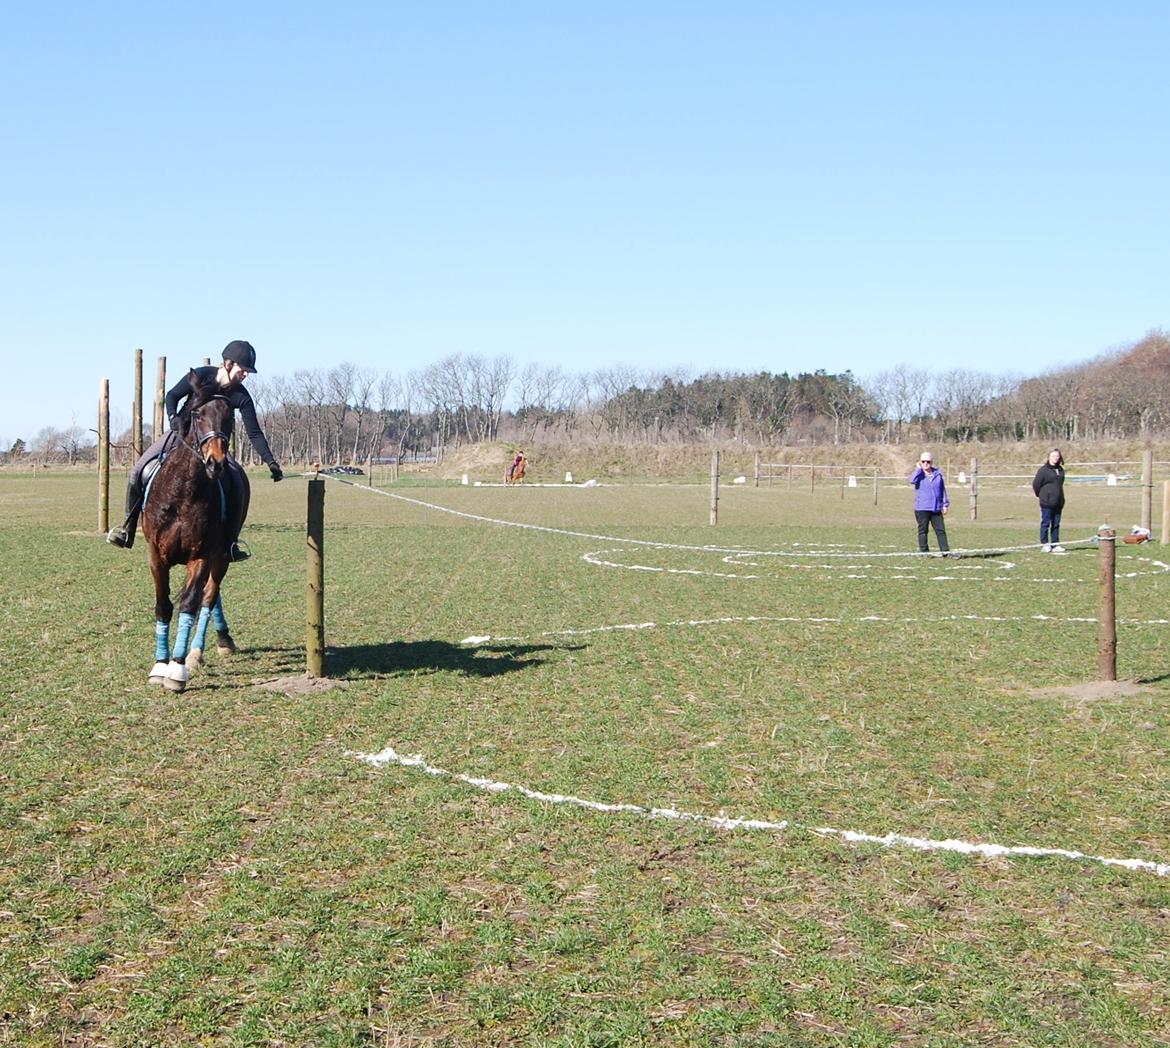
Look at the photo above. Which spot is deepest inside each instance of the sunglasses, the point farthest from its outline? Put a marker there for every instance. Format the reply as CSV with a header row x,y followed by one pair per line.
x,y
927,462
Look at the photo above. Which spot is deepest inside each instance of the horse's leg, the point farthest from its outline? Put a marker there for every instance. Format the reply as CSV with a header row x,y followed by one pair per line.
x,y
195,655
189,600
164,611
223,638
210,598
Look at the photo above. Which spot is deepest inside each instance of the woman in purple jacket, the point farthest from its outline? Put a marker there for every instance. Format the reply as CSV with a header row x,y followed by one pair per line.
x,y
930,502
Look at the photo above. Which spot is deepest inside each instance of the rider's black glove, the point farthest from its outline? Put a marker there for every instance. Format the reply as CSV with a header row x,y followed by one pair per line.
x,y
275,470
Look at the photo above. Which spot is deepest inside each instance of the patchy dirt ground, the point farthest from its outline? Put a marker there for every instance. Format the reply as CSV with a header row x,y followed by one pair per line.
x,y
302,684
1094,691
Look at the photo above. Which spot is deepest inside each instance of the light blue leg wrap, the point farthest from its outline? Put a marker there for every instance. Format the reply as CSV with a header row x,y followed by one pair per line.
x,y
183,636
201,627
217,615
162,641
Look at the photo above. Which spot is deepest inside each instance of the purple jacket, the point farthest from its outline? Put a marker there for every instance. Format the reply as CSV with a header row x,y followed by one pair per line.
x,y
930,492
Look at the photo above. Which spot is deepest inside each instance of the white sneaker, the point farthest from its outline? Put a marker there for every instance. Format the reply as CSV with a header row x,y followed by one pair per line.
x,y
1058,549
1046,548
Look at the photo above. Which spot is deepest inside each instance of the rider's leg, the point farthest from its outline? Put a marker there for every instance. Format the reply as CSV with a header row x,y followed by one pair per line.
x,y
124,536
238,497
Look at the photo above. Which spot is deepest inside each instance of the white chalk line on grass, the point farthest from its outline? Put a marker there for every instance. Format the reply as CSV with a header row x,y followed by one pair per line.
x,y
819,551
486,638
389,755
968,572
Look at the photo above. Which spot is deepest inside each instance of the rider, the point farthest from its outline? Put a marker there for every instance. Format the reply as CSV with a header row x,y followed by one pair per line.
x,y
520,457
239,361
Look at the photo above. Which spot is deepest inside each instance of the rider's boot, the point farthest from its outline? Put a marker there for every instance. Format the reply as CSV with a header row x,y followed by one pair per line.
x,y
124,535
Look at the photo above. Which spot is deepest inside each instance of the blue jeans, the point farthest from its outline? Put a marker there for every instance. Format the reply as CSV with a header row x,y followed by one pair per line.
x,y
1049,525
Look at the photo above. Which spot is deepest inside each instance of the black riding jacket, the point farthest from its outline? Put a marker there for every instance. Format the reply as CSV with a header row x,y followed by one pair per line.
x,y
237,396
1048,486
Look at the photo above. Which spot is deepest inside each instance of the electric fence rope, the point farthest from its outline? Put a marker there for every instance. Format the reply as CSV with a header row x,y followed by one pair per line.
x,y
818,551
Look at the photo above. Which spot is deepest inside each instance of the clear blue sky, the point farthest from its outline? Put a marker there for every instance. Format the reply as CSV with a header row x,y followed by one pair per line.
x,y
734,186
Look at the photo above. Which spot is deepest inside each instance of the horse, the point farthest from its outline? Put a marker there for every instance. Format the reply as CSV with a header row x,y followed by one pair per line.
x,y
184,521
517,469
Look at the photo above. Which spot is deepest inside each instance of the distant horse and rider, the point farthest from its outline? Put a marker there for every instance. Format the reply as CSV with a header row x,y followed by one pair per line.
x,y
193,506
517,469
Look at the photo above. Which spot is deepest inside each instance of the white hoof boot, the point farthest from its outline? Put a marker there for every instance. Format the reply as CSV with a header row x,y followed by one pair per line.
x,y
158,673
177,677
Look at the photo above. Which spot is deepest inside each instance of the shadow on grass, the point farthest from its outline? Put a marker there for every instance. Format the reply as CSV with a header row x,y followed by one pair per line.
x,y
432,656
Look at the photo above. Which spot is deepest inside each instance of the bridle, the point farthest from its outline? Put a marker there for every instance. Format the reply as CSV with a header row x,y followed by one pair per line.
x,y
196,447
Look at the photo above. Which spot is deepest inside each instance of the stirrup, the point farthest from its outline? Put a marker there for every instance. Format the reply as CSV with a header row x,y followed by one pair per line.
x,y
119,537
238,552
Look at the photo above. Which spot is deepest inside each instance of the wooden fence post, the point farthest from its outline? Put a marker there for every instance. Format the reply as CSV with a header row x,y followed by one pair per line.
x,y
875,486
1107,615
1147,488
715,486
160,397
757,469
136,424
104,456
315,639
974,489
1165,512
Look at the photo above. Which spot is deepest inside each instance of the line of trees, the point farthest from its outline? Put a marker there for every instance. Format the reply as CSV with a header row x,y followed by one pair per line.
x,y
1120,395
348,413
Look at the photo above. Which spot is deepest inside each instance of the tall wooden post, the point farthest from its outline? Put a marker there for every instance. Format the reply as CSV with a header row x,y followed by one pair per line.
x,y
715,486
160,397
843,479
136,425
1147,487
757,469
104,456
974,489
315,637
875,486
1107,615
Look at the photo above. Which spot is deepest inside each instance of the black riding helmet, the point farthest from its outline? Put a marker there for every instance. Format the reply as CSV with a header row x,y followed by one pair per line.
x,y
241,353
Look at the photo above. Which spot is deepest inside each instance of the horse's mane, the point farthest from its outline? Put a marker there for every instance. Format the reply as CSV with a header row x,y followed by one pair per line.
x,y
202,390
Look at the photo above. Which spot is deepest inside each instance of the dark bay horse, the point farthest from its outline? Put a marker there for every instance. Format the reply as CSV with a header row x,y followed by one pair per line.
x,y
185,522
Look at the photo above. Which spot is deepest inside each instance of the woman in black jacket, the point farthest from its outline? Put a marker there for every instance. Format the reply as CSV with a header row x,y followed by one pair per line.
x,y
1048,486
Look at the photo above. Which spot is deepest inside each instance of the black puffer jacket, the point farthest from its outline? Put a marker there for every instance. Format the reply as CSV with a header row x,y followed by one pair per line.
x,y
1048,486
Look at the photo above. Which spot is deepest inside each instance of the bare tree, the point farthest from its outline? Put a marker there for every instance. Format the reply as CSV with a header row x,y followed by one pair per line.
x,y
364,380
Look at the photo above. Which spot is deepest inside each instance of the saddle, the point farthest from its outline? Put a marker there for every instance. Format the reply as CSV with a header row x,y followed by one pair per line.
x,y
228,495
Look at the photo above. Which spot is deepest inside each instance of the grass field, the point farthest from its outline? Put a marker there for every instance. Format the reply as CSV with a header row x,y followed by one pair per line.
x,y
220,867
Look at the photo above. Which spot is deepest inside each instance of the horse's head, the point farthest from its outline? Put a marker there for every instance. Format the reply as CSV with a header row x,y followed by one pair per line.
x,y
209,424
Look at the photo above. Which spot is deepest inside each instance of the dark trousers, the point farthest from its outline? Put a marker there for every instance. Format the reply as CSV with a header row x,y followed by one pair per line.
x,y
926,518
1049,525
